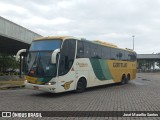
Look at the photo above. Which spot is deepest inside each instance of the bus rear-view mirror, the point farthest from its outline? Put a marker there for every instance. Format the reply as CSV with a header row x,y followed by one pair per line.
x,y
19,53
54,56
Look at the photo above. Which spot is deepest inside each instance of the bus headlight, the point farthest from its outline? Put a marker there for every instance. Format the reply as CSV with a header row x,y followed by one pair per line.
x,y
50,83
26,81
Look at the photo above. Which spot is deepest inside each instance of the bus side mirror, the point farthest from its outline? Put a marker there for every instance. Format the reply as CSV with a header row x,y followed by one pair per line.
x,y
54,56
19,52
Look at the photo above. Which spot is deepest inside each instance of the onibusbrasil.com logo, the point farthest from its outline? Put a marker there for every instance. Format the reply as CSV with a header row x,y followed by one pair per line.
x,y
33,114
21,114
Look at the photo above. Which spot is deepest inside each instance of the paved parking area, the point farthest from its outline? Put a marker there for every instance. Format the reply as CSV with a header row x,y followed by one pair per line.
x,y
142,94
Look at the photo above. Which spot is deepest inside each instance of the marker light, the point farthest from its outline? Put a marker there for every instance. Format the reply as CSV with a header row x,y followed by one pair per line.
x,y
51,83
26,81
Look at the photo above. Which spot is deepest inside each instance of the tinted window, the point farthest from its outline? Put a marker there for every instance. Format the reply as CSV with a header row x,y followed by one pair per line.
x,y
113,54
67,56
80,49
45,45
98,51
87,50
123,55
119,55
132,56
106,51
92,51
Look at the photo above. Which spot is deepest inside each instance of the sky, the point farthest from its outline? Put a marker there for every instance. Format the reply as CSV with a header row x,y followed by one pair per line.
x,y
113,21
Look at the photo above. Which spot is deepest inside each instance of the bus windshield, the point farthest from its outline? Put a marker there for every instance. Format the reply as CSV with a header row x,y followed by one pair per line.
x,y
39,58
45,45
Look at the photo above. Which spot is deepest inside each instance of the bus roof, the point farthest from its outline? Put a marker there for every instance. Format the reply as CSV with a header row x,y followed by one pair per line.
x,y
53,37
110,45
95,41
105,43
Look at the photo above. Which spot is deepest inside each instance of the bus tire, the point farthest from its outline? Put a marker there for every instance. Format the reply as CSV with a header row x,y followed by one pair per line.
x,y
123,80
128,78
81,85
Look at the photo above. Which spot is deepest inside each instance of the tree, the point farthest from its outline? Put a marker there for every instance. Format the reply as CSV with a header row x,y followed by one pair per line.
x,y
8,61
158,63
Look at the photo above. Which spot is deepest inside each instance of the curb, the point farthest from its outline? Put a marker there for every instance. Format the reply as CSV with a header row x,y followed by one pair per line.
x,y
4,87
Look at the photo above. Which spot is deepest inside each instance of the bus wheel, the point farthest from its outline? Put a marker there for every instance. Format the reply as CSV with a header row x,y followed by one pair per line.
x,y
123,81
81,85
127,79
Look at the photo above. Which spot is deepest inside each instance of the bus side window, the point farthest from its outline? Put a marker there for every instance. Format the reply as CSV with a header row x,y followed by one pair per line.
x,y
113,54
92,50
127,56
87,50
132,56
80,49
98,50
119,55
105,52
123,56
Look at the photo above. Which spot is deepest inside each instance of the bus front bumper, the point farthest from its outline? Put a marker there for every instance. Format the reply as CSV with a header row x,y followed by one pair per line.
x,y
47,88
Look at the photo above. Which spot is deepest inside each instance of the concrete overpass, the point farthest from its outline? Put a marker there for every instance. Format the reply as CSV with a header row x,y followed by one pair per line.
x,y
147,62
148,56
14,37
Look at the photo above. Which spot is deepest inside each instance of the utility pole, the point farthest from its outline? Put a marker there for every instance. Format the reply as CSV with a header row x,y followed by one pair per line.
x,y
133,41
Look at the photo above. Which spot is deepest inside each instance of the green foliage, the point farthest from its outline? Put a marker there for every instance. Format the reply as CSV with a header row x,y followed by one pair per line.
x,y
141,63
158,63
8,61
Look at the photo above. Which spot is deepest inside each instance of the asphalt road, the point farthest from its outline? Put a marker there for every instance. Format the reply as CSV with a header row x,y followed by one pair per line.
x,y
142,94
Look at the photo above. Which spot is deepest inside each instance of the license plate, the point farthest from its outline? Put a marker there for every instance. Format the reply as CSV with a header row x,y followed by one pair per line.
x,y
31,79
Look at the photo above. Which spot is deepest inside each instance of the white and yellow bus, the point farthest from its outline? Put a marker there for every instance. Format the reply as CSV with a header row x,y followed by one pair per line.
x,y
59,64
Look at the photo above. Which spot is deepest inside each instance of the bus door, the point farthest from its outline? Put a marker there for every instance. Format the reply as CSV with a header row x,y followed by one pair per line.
x,y
66,73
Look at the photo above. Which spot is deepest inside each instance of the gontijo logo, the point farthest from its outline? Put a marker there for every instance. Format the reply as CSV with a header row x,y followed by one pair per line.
x,y
117,65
